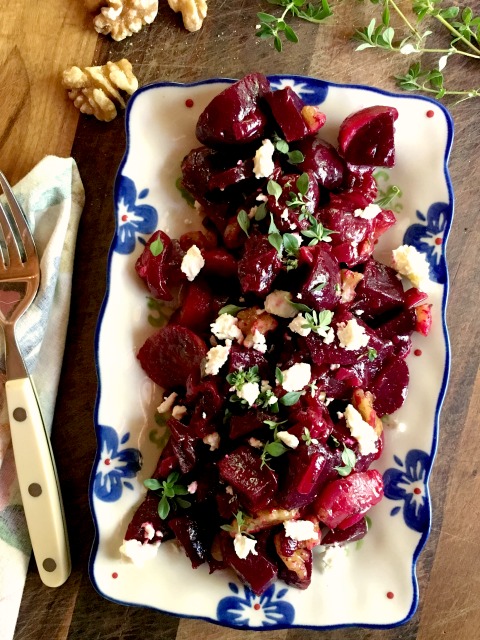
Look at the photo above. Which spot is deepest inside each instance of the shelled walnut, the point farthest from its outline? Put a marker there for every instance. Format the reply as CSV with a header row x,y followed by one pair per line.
x,y
122,18
193,12
96,90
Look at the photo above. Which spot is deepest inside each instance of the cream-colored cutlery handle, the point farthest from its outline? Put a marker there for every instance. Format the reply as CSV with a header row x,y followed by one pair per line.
x,y
37,477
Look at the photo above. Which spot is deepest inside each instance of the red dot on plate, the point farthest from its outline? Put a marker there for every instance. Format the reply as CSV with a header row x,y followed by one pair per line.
x,y
430,113
114,575
418,352
438,241
124,218
390,595
189,103
256,606
107,461
417,491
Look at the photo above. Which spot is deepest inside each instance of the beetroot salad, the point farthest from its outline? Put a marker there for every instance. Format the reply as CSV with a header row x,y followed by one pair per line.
x,y
288,341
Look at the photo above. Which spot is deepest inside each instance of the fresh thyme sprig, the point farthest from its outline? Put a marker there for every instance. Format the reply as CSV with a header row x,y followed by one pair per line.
x,y
272,26
169,491
239,526
317,321
349,460
273,448
317,232
464,31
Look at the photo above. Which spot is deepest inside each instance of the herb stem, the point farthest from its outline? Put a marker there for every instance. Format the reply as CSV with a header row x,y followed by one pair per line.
x,y
413,29
456,33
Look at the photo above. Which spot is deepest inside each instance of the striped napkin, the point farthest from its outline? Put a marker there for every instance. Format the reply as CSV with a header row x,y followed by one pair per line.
x,y
52,198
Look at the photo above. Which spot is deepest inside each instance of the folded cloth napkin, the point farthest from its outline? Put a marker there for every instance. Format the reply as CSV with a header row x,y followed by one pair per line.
x,y
52,198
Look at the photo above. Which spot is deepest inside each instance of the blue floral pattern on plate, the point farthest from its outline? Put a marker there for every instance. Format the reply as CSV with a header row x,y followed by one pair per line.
x,y
251,610
132,218
115,465
409,484
312,92
428,235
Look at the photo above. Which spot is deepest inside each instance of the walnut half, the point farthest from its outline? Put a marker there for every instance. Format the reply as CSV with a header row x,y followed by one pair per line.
x,y
122,18
193,12
96,90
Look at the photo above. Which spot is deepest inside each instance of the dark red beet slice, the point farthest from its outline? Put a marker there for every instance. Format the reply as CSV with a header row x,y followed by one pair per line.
x,y
233,116
208,402
256,485
195,311
183,441
147,513
344,501
325,271
189,534
363,182
219,263
161,272
278,207
257,572
367,137
414,297
247,422
379,290
296,565
304,476
197,172
323,161
243,358
167,462
390,387
259,265
292,115
351,534
171,355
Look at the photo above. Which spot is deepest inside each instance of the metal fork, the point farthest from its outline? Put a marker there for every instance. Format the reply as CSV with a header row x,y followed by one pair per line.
x,y
36,470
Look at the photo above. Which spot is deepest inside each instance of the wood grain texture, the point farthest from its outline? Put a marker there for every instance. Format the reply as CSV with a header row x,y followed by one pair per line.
x,y
449,565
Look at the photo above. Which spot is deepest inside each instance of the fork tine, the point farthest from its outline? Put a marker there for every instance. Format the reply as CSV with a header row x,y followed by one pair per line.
x,y
14,257
19,218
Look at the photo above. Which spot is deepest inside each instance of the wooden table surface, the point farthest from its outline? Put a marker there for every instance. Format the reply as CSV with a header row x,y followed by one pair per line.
x,y
39,39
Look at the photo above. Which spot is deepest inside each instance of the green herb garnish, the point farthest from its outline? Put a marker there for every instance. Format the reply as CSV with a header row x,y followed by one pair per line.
x,y
349,460
156,247
169,491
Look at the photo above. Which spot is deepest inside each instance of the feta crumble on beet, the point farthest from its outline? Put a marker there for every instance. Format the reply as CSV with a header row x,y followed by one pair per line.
x,y
300,530
216,358
244,545
363,433
258,341
297,377
178,412
249,391
167,403
297,326
278,304
288,439
263,165
213,440
412,264
226,327
352,335
139,553
192,263
370,212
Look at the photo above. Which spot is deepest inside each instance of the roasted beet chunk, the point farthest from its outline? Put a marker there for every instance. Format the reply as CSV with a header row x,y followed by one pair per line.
x,y
183,441
259,265
190,535
321,289
295,119
160,268
304,475
171,355
287,218
147,514
343,502
323,161
234,117
367,137
379,290
256,571
243,470
351,534
390,386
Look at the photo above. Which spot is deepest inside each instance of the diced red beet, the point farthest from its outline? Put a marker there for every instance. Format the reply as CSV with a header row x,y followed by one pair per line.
x,y
390,387
344,501
256,571
233,235
322,160
366,137
304,475
183,441
246,423
402,324
232,175
208,400
219,263
292,115
243,358
188,532
259,265
414,297
197,171
278,207
227,505
195,311
234,115
147,513
205,240
379,290
382,222
256,485
360,181
296,561
171,355
325,271
167,462
351,534
161,272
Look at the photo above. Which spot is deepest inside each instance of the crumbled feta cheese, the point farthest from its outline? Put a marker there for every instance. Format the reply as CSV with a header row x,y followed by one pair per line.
x,y
369,213
409,262
192,487
204,415
334,367
363,432
137,552
255,443
296,325
179,411
216,358
261,197
225,327
213,440
333,555
167,403
249,392
288,439
192,263
296,377
148,530
244,545
263,165
278,304
352,335
259,342
265,386
229,490
329,337
300,530
284,214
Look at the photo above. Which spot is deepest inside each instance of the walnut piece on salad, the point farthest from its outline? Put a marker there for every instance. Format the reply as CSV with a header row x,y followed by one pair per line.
x,y
193,12
97,90
122,18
